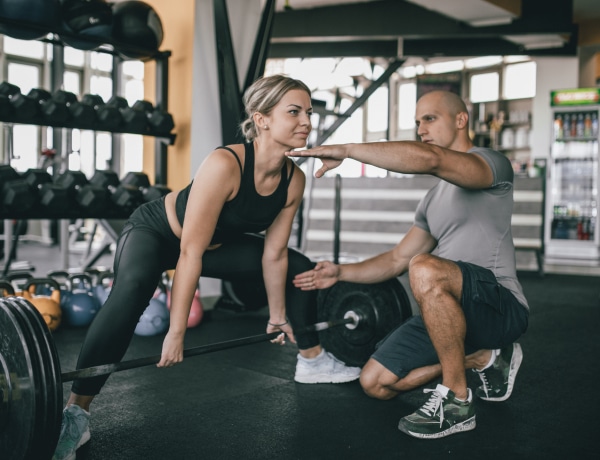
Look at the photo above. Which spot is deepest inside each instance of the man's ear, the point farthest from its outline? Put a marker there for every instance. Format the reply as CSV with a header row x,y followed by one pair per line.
x,y
462,120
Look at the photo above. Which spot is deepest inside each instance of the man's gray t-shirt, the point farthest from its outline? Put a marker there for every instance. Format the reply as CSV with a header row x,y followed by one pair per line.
x,y
475,225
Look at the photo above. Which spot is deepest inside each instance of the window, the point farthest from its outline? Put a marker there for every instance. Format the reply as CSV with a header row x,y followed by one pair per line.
x,y
407,105
484,87
519,80
23,140
25,48
27,64
377,120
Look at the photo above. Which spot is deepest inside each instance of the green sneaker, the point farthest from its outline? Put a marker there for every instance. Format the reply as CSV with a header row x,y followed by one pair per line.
x,y
498,379
440,416
74,432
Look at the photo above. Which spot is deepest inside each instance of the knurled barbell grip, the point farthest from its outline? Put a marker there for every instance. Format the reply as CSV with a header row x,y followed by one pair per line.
x,y
104,369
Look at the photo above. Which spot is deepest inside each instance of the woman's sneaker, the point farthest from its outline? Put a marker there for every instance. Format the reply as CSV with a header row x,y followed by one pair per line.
x,y
74,432
498,379
324,368
442,415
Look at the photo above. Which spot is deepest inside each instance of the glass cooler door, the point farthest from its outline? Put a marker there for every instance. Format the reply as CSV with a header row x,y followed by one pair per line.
x,y
573,189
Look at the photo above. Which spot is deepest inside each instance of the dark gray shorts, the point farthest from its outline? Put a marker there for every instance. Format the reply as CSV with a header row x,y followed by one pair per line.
x,y
494,317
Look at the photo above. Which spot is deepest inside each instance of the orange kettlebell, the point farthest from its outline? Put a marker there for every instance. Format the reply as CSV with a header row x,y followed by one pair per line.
x,y
47,305
6,289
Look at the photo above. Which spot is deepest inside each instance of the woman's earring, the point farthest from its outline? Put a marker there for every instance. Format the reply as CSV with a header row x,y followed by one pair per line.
x,y
265,127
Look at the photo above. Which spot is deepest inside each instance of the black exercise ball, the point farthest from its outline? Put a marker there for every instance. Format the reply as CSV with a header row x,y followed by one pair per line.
x,y
87,24
39,18
137,30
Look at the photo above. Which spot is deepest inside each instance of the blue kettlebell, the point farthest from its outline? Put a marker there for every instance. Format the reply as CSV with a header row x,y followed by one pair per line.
x,y
82,306
103,286
155,319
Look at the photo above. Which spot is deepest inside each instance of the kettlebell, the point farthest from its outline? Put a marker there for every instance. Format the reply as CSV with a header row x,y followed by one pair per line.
x,y
18,279
6,289
155,319
103,286
62,278
47,305
196,310
83,305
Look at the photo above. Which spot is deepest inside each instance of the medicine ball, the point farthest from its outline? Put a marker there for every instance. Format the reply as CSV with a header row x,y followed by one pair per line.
x,y
155,319
39,18
90,19
137,29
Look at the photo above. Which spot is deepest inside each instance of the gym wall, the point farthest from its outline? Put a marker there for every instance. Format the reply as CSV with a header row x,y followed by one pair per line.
x,y
178,26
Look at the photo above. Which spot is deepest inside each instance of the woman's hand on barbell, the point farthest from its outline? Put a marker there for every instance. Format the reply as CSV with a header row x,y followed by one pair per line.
x,y
286,329
172,350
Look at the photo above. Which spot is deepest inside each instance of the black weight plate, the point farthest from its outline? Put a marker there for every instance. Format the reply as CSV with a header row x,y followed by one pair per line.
x,y
381,307
51,387
20,406
37,448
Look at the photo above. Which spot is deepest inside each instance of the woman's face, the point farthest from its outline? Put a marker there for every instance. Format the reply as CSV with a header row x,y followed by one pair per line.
x,y
289,121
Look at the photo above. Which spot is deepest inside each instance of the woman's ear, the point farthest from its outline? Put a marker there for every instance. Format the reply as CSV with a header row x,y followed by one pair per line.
x,y
258,118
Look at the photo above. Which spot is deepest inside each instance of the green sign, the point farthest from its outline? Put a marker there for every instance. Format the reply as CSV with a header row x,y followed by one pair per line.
x,y
576,96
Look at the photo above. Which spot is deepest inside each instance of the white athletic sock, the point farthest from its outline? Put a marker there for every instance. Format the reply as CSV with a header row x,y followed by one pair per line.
x,y
493,356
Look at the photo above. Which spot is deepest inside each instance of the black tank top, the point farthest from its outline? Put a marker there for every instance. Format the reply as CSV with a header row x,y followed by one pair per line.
x,y
248,211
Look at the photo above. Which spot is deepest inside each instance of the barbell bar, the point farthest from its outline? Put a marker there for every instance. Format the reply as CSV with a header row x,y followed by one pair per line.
x,y
352,320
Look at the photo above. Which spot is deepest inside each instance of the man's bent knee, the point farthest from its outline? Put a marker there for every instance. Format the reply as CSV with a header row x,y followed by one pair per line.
x,y
376,380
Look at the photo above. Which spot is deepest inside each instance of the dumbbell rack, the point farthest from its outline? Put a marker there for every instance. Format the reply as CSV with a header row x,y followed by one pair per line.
x,y
161,59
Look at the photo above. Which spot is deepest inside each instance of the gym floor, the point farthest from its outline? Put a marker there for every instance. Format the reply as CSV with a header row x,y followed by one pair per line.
x,y
244,403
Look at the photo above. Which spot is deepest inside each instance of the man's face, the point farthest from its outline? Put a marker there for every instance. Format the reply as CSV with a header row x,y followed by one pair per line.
x,y
434,122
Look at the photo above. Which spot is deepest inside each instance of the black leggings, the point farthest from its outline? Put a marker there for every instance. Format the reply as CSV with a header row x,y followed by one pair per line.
x,y
146,248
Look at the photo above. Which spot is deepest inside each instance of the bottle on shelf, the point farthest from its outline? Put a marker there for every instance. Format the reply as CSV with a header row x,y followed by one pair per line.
x,y
558,126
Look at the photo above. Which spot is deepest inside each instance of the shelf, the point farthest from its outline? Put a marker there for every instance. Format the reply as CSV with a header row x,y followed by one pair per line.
x,y
576,139
513,149
169,137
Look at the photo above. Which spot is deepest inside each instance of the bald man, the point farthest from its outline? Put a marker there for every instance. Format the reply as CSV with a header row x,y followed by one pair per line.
x,y
460,259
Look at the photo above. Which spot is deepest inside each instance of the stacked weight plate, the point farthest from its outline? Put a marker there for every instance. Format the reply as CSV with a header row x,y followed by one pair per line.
x,y
30,383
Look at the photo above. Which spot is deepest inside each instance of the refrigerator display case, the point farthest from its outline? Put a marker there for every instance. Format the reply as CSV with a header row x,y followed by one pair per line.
x,y
571,229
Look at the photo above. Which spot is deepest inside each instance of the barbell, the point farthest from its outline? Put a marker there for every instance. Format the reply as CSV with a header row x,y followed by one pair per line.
x,y
31,391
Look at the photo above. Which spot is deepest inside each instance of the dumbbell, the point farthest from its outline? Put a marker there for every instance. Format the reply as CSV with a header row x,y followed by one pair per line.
x,y
91,199
142,182
108,117
5,108
15,194
51,197
160,121
23,107
82,115
126,197
134,120
52,110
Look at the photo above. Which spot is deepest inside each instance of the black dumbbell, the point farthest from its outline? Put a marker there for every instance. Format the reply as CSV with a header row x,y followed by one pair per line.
x,y
52,110
5,108
134,121
15,194
142,182
160,121
23,107
51,197
82,115
91,199
125,197
108,118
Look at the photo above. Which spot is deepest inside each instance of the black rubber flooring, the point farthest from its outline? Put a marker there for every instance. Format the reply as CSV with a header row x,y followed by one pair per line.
x,y
243,403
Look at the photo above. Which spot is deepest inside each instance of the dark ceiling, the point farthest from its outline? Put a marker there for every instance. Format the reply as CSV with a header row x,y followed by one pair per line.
x,y
398,28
